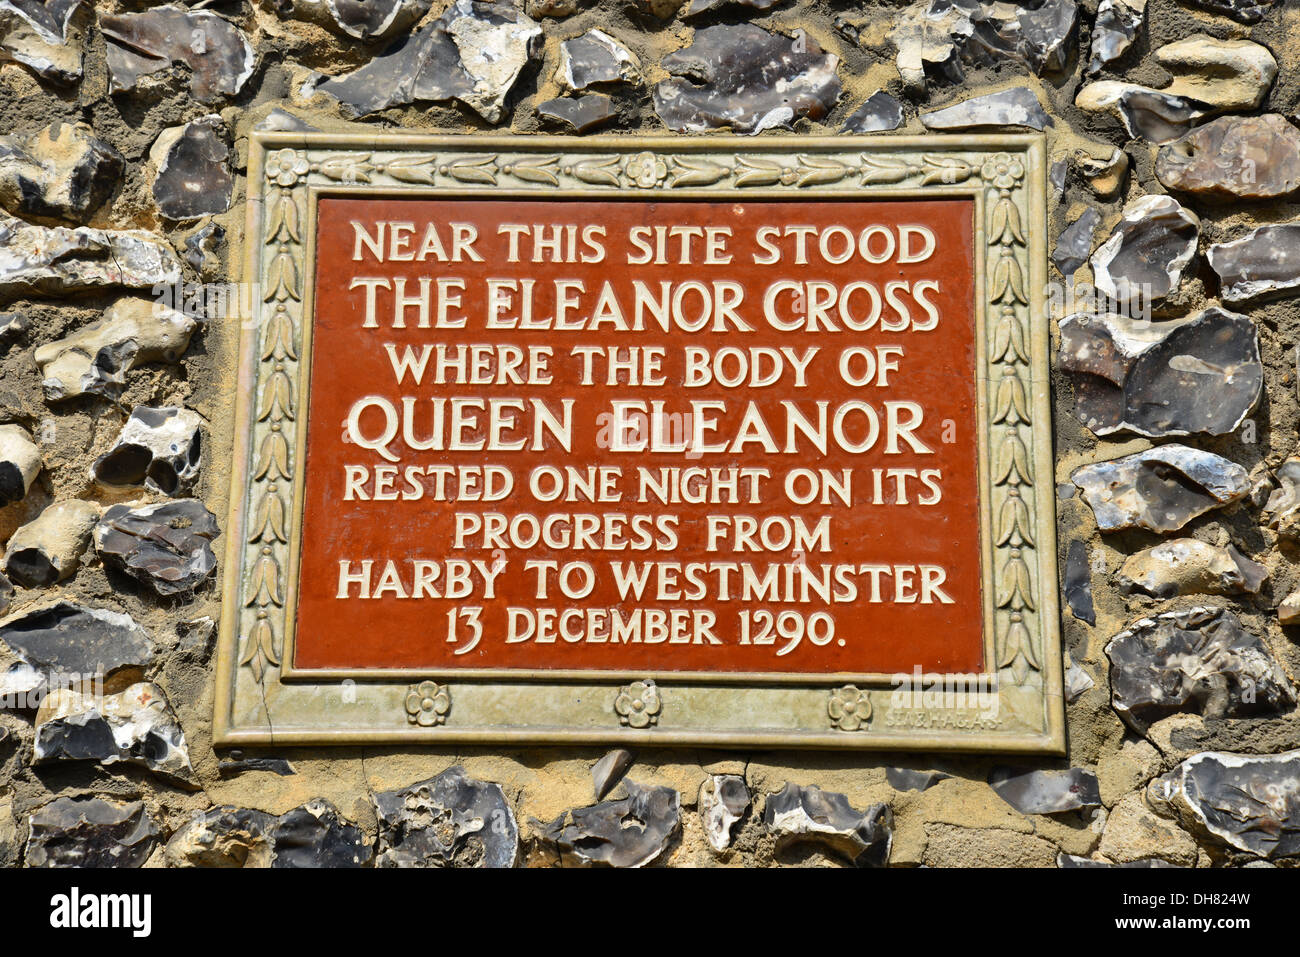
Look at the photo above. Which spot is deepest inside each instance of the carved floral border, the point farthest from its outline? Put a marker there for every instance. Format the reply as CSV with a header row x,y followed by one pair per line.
x,y
997,167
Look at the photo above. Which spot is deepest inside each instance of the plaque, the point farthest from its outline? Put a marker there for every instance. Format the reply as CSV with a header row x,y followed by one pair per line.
x,y
680,441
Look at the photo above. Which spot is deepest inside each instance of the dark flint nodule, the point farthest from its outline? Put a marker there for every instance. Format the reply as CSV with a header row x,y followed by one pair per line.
x,y
809,815
1075,244
218,54
1243,11
743,77
1016,107
93,832
1078,583
168,547
1036,791
447,821
1202,661
1161,489
1246,802
1198,375
579,114
159,448
70,638
629,832
880,113
1264,262
194,178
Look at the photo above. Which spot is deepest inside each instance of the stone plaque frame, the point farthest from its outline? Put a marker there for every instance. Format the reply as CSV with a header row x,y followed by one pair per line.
x,y
261,700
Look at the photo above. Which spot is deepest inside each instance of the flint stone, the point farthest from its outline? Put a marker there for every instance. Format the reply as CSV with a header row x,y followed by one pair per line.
x,y
95,359
282,121
633,831
1202,374
928,40
1075,243
314,835
1283,506
593,58
1046,792
1263,262
1105,174
934,38
12,325
90,833
1145,256
194,637
609,770
159,448
1017,106
1057,174
218,54
880,113
556,9
66,638
907,779
167,546
582,114
22,687
20,463
743,77
704,6
42,36
49,549
1224,74
310,836
1234,157
1114,30
810,815
54,260
1150,114
1161,489
62,172
1187,566
194,177
203,250
364,20
1243,11
1077,681
473,53
1288,612
135,726
237,766
1078,583
1073,860
6,593
1250,803
1200,660
723,801
223,836
447,821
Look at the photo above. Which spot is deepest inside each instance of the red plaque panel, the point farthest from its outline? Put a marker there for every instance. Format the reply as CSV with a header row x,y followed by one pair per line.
x,y
642,437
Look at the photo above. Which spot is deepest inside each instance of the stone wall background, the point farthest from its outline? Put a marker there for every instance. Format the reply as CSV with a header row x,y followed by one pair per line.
x,y
158,794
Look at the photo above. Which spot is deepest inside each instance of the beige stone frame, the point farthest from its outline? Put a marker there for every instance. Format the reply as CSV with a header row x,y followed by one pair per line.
x,y
260,700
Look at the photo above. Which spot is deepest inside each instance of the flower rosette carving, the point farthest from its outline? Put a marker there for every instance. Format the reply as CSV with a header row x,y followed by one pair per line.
x,y
286,167
645,170
1002,171
849,708
638,705
427,704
